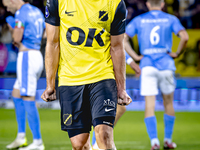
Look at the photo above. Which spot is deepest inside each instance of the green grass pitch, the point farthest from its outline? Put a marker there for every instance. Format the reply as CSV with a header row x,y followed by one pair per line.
x,y
129,133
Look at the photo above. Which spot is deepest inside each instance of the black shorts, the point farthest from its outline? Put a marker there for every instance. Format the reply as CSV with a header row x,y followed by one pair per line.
x,y
81,105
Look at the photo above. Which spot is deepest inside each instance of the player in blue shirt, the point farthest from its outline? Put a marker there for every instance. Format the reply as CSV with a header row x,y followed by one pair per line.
x,y
27,35
154,30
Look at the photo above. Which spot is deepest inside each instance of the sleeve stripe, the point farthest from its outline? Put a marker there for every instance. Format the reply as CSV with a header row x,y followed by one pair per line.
x,y
19,24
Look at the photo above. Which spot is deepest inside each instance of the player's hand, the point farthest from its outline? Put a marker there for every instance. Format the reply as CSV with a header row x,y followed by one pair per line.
x,y
136,68
123,98
138,58
10,21
10,28
173,55
16,44
49,95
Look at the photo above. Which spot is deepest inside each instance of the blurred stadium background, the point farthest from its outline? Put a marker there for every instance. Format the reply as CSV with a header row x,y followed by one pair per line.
x,y
130,132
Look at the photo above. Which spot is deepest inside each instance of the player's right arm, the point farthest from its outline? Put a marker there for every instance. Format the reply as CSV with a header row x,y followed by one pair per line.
x,y
130,50
133,65
52,49
18,31
131,30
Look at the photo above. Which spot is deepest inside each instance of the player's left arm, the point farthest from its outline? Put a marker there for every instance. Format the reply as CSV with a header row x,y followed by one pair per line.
x,y
52,52
51,61
118,53
119,65
183,42
180,31
184,39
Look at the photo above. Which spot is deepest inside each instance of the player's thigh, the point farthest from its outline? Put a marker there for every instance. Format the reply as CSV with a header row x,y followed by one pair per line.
x,y
75,110
32,64
149,81
16,91
167,81
36,63
18,80
24,75
103,101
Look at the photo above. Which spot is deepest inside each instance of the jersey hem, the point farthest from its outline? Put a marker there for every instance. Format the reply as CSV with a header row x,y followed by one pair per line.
x,y
158,68
119,33
83,82
51,23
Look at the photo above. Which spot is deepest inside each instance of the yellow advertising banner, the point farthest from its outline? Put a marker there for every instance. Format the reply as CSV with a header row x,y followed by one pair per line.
x,y
188,64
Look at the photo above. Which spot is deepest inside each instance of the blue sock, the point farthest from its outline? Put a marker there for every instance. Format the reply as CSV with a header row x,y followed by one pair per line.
x,y
20,114
93,138
169,125
151,125
33,118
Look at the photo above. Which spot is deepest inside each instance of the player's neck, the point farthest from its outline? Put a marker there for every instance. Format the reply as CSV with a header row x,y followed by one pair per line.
x,y
155,8
21,3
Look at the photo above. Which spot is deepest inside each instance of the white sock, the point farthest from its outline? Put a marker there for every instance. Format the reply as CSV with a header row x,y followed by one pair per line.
x,y
21,135
155,141
37,141
95,146
167,140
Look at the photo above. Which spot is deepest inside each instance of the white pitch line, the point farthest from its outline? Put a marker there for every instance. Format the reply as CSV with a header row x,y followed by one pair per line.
x,y
60,148
59,143
4,142
127,142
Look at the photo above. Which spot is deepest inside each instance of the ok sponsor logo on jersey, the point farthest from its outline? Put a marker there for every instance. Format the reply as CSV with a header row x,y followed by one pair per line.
x,y
77,36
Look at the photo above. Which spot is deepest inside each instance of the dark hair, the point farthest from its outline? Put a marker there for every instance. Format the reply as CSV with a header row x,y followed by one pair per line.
x,y
30,1
155,2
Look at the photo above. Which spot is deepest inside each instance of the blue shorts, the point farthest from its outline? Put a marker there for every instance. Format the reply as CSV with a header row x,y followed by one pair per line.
x,y
81,106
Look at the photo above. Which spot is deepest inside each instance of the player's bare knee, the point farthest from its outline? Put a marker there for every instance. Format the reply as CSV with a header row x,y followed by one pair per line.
x,y
86,147
104,134
80,141
78,146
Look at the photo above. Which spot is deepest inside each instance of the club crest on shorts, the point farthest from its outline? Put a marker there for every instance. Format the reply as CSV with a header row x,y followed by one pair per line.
x,y
67,119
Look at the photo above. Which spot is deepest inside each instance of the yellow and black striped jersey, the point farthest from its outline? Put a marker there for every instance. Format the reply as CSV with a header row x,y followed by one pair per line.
x,y
86,27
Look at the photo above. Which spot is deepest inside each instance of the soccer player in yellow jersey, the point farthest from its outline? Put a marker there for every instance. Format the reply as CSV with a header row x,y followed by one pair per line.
x,y
85,43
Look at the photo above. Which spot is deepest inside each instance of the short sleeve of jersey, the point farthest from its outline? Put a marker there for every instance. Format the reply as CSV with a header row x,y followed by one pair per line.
x,y
131,28
119,22
20,19
176,25
51,13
